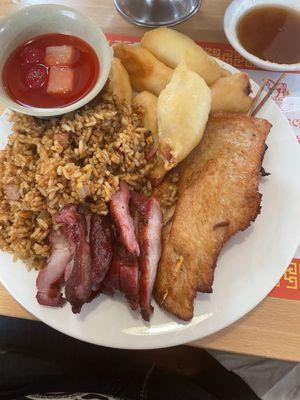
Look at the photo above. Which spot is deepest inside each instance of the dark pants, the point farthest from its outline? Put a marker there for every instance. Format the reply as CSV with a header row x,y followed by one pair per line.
x,y
36,359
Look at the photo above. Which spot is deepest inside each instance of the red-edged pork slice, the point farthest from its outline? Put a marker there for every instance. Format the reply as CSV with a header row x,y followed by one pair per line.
x,y
119,208
50,279
78,286
129,277
101,243
63,138
123,275
149,220
12,191
111,282
69,267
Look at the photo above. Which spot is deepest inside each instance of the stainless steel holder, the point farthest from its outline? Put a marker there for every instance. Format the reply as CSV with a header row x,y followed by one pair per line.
x,y
153,13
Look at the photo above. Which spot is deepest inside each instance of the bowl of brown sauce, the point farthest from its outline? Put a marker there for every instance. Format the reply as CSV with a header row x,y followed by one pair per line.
x,y
53,60
265,32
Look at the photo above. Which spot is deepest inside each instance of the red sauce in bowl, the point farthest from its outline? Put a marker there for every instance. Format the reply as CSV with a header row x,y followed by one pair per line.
x,y
52,70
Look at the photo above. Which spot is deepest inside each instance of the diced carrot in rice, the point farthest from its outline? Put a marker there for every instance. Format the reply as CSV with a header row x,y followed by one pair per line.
x,y
60,80
59,56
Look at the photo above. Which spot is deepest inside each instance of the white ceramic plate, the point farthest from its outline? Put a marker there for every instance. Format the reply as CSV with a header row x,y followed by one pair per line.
x,y
250,265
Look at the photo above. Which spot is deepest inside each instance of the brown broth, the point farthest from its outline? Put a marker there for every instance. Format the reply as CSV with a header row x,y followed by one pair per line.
x,y
271,33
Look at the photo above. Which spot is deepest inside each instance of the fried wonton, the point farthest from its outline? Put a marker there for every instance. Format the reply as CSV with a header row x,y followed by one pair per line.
x,y
182,109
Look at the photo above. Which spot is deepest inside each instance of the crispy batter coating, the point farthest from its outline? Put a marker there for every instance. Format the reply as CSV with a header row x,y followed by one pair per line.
x,y
145,71
231,94
119,84
182,111
149,102
172,47
218,196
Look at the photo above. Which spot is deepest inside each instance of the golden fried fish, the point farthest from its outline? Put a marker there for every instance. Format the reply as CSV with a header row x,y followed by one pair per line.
x,y
119,83
172,47
231,94
217,197
149,102
145,71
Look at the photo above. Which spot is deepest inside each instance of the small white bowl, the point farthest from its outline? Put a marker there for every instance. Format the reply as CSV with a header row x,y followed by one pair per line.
x,y
231,17
20,26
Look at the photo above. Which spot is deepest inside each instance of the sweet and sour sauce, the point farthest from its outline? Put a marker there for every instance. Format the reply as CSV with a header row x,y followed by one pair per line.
x,y
52,70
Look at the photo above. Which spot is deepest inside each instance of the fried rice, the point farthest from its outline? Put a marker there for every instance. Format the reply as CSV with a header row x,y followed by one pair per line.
x,y
39,174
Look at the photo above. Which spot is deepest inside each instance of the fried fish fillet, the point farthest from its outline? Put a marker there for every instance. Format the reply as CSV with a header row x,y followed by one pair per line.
x,y
217,197
145,71
172,47
119,84
231,94
149,102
